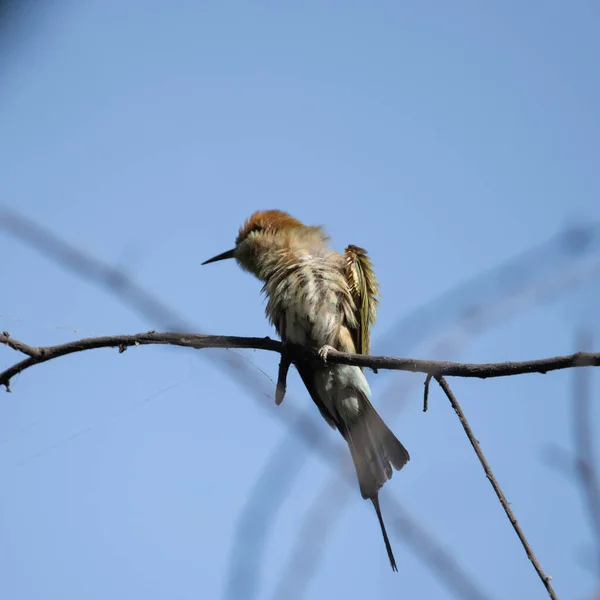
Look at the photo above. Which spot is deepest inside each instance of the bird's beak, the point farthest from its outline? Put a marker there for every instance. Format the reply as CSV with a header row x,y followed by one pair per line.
x,y
223,256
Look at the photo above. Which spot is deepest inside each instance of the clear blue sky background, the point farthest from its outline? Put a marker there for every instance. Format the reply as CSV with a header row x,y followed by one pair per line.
x,y
443,137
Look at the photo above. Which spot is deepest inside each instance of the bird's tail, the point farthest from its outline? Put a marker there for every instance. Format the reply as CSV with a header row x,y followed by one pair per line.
x,y
375,451
374,448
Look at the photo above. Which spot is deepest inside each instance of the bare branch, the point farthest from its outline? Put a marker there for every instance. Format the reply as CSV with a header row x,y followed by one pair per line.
x,y
189,340
19,346
284,367
426,392
546,579
435,368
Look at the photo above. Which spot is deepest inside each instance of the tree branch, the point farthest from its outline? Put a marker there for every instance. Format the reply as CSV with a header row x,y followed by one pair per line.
x,y
38,355
426,392
435,368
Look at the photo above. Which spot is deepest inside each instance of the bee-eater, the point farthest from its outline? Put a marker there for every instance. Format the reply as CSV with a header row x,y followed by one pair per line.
x,y
320,298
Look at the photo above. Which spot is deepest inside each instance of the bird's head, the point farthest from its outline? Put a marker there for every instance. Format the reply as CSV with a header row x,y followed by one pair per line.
x,y
266,233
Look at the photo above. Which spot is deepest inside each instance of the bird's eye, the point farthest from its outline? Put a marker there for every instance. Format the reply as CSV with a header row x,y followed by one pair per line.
x,y
256,227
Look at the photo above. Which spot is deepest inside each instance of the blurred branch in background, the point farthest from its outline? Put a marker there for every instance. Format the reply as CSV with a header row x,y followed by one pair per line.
x,y
518,280
585,461
530,280
12,18
319,523
20,25
405,528
444,568
580,466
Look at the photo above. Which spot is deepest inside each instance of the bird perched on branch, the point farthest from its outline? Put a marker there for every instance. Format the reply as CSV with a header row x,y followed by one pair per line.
x,y
320,298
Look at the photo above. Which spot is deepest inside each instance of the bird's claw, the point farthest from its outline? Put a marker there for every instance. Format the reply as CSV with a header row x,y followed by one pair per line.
x,y
324,352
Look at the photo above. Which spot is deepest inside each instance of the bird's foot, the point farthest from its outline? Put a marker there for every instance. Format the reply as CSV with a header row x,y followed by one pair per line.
x,y
324,351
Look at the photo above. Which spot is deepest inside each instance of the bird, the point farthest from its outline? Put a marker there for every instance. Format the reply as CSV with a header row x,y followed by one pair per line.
x,y
320,298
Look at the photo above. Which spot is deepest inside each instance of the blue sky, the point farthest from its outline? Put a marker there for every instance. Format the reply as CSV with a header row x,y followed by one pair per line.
x,y
445,138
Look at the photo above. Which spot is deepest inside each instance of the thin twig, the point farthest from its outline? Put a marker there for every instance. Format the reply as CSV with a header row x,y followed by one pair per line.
x,y
426,392
19,346
284,366
546,579
38,355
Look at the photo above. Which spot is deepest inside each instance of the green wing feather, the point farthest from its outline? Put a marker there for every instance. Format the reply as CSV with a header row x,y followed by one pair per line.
x,y
364,289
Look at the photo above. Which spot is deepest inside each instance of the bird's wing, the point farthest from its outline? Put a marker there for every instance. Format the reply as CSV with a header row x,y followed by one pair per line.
x,y
364,290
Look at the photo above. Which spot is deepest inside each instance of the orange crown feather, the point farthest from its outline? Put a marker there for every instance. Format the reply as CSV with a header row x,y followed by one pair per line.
x,y
267,220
